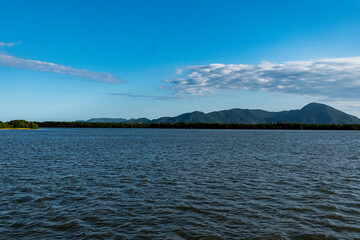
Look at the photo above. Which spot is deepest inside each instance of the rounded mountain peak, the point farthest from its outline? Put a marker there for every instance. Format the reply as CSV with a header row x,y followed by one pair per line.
x,y
315,106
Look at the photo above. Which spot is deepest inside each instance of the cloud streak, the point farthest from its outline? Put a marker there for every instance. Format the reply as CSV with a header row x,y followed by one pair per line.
x,y
331,78
145,96
10,61
9,44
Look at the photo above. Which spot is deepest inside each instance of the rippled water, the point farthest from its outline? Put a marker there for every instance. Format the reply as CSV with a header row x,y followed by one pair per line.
x,y
179,184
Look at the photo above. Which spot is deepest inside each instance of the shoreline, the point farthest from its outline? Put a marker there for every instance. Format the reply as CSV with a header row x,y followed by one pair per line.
x,y
16,129
194,125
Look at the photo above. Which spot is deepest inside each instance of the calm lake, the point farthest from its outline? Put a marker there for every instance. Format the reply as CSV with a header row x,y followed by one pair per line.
x,y
179,184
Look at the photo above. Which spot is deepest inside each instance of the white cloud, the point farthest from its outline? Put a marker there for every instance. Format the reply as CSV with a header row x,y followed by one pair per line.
x,y
332,78
10,61
9,44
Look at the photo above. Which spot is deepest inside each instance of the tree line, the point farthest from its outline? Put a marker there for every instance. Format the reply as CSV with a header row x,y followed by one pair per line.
x,y
196,125
179,125
19,124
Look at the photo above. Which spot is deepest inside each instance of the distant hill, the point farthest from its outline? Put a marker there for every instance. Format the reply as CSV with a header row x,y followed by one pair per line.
x,y
316,113
115,120
138,120
313,113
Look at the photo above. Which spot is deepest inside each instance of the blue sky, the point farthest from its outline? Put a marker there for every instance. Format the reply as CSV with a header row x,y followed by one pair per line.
x,y
70,60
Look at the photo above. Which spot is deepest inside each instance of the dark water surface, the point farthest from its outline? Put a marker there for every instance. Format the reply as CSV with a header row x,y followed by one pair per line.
x,y
179,184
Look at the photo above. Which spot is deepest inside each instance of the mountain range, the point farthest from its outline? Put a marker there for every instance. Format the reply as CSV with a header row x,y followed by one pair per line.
x,y
313,113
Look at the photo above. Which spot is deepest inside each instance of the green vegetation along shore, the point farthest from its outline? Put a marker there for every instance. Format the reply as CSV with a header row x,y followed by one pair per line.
x,y
18,124
22,124
182,125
